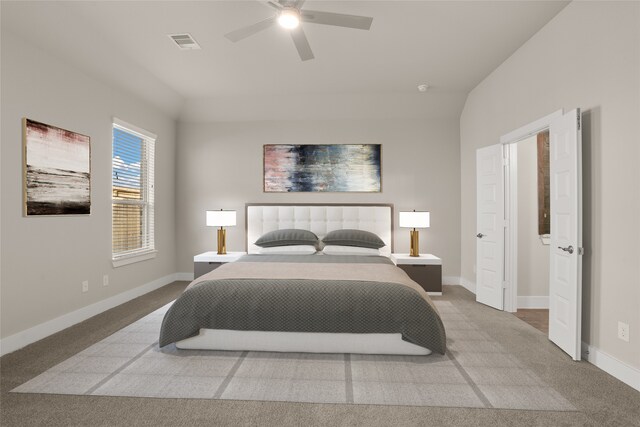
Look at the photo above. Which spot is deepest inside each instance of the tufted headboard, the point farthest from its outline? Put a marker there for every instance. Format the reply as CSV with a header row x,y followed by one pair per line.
x,y
320,219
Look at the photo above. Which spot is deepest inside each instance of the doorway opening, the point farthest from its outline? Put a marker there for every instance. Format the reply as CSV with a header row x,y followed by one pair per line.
x,y
531,156
497,217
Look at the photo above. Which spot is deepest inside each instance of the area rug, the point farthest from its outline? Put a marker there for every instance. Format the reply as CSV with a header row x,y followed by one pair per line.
x,y
476,372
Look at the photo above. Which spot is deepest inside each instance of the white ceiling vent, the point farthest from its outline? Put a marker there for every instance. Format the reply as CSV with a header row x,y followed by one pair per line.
x,y
185,41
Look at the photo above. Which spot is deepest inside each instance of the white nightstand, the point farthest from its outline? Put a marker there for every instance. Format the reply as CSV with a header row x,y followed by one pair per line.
x,y
426,270
208,261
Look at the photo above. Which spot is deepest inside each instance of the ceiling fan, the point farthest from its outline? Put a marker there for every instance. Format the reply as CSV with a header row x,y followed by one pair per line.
x,y
289,15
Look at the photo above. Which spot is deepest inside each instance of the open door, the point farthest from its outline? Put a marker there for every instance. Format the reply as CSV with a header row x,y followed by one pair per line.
x,y
565,283
490,226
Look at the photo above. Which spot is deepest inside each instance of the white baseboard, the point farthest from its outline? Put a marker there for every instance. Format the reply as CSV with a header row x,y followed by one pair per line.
x,y
533,302
450,280
614,367
21,339
184,276
468,285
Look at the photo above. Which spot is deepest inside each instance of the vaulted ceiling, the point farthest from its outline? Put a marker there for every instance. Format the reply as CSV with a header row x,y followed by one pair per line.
x,y
450,45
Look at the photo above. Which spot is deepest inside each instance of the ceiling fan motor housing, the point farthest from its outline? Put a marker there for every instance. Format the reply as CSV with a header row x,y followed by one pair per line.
x,y
289,17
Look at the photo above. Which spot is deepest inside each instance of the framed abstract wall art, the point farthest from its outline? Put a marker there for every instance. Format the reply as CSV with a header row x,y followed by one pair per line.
x,y
57,170
322,168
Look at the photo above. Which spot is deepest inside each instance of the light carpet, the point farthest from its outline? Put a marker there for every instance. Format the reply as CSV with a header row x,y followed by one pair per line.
x,y
476,372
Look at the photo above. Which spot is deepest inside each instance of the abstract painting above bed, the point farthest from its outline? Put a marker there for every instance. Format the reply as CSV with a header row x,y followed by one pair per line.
x,y
322,168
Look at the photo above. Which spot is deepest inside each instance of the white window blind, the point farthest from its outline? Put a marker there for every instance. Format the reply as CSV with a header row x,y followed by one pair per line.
x,y
132,192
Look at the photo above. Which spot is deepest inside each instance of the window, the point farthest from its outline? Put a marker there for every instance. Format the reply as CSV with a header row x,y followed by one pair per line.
x,y
132,194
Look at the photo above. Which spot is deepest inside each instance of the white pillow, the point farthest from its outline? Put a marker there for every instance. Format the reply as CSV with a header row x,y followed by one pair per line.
x,y
288,250
349,250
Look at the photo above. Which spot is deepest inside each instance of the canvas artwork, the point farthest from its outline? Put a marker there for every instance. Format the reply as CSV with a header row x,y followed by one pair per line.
x,y
322,168
544,185
57,170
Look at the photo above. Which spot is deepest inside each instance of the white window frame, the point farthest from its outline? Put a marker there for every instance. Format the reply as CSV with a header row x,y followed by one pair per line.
x,y
148,200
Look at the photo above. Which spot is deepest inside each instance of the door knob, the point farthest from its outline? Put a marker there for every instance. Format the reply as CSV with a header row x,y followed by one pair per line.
x,y
479,235
567,249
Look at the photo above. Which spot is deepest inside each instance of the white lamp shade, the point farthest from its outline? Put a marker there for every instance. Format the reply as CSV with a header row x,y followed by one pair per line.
x,y
415,219
221,218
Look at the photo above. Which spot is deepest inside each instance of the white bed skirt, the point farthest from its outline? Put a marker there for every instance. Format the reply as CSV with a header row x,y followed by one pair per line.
x,y
301,342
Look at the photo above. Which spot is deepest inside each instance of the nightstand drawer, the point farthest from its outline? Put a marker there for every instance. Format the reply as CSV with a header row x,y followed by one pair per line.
x,y
200,268
427,276
208,261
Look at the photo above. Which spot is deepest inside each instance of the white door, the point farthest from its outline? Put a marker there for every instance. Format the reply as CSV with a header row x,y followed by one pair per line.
x,y
490,226
565,285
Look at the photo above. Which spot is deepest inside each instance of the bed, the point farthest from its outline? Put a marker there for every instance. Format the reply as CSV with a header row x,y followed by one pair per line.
x,y
317,302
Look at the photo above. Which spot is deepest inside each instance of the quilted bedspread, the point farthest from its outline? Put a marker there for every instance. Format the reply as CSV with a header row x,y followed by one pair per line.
x,y
307,293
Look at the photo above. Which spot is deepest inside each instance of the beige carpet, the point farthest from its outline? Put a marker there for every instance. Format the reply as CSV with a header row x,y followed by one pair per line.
x,y
476,372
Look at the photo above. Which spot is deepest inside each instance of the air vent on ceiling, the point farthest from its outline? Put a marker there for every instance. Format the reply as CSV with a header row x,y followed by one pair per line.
x,y
185,41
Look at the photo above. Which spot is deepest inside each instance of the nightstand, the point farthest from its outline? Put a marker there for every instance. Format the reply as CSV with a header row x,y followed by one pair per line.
x,y
426,270
208,261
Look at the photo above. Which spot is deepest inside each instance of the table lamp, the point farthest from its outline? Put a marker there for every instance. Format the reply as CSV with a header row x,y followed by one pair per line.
x,y
221,219
414,220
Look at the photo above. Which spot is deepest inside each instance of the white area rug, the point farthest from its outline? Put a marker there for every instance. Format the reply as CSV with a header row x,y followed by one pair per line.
x,y
476,372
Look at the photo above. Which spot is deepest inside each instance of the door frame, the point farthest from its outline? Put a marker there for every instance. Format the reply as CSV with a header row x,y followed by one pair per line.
x,y
509,142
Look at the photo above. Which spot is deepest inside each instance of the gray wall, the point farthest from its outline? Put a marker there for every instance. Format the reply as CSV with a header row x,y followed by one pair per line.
x,y
588,56
533,256
220,166
45,259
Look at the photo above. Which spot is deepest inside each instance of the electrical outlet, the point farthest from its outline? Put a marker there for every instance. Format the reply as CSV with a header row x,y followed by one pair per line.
x,y
105,280
623,331
85,286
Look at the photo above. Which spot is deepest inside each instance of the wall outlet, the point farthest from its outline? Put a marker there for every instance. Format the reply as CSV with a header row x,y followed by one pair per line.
x,y
85,286
105,280
623,331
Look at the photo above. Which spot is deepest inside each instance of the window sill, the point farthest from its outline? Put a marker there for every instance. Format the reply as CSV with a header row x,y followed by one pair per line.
x,y
130,259
545,239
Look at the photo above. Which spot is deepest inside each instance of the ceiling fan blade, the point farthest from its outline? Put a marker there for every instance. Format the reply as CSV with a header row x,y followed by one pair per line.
x,y
302,44
337,19
271,3
280,4
245,32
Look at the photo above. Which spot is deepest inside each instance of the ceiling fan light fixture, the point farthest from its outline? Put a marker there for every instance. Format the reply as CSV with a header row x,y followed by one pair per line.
x,y
289,18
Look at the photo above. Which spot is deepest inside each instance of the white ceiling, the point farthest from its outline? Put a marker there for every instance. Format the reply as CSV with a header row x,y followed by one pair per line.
x,y
451,45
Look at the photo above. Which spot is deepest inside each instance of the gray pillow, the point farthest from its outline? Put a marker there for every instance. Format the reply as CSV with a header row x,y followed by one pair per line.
x,y
287,237
360,238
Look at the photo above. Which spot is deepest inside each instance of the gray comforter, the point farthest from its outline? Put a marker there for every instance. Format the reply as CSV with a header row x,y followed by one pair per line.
x,y
307,293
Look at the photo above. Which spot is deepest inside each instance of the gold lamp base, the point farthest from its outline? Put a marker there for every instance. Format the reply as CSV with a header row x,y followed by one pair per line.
x,y
415,243
222,244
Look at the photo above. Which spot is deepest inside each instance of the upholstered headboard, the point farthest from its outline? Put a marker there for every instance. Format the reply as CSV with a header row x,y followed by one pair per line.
x,y
320,219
